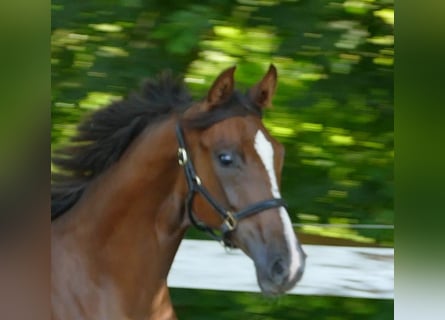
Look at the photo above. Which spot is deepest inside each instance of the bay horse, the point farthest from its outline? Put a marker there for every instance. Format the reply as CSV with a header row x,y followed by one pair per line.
x,y
141,171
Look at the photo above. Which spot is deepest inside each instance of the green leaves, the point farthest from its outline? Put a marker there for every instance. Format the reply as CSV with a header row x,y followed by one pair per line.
x,y
183,29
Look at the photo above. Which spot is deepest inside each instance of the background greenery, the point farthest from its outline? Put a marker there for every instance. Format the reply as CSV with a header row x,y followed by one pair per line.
x,y
333,109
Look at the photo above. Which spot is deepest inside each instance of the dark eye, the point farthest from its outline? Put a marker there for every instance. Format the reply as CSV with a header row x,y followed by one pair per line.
x,y
225,159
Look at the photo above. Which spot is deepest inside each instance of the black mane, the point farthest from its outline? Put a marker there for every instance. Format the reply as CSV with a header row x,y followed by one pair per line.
x,y
104,136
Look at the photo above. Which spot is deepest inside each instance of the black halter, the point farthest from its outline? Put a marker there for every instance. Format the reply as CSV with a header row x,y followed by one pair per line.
x,y
230,219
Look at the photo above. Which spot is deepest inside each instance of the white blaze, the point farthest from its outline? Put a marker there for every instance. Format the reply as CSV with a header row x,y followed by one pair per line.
x,y
265,151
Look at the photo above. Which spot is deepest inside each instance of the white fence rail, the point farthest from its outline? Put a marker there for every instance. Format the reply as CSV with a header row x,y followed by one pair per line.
x,y
330,270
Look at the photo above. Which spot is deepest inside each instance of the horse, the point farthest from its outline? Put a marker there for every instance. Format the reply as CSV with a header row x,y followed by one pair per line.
x,y
141,171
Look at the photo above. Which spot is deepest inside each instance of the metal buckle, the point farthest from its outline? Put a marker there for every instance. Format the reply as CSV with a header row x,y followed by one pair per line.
x,y
182,156
197,180
230,221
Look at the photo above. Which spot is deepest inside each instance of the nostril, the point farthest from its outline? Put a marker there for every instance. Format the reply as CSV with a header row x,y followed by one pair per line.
x,y
278,271
277,267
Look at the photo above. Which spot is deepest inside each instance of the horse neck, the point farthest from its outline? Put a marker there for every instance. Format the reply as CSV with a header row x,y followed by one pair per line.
x,y
129,222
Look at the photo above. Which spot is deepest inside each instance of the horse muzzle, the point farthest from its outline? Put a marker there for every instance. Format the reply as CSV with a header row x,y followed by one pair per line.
x,y
277,268
277,274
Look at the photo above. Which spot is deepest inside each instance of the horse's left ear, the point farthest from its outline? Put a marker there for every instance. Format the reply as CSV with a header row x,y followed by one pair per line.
x,y
263,92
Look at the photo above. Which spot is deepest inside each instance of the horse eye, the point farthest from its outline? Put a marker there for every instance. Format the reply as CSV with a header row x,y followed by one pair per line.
x,y
225,159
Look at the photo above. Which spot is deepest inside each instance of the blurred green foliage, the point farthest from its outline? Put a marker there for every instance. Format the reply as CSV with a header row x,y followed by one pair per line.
x,y
221,305
333,109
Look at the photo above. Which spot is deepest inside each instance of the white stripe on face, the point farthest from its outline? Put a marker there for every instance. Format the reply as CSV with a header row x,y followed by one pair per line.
x,y
265,150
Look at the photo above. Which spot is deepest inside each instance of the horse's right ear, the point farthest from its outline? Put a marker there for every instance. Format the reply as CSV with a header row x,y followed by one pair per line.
x,y
222,89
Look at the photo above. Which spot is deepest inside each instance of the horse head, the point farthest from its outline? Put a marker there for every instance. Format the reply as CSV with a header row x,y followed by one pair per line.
x,y
233,172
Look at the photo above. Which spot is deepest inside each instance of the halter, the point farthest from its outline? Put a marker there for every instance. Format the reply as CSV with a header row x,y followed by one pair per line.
x,y
230,219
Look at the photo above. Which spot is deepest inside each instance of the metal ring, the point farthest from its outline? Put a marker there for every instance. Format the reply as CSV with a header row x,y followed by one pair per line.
x,y
182,156
230,221
197,180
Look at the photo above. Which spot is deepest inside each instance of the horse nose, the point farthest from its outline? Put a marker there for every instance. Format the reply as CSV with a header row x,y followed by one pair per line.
x,y
278,271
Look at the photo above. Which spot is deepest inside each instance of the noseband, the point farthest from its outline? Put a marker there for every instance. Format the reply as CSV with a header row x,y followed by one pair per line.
x,y
230,219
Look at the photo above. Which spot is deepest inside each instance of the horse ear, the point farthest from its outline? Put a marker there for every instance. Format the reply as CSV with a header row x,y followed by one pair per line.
x,y
263,92
222,88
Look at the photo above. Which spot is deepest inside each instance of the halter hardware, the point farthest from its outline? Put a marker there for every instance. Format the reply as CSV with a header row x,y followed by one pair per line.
x,y
230,219
182,156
